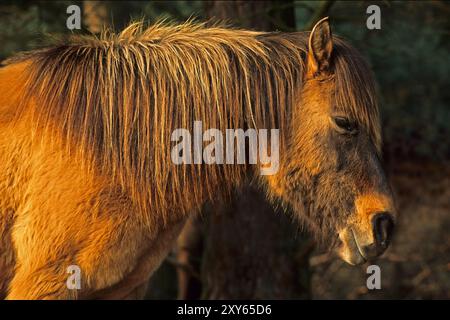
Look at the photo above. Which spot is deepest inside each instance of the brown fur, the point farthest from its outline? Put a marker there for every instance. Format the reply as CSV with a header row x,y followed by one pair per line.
x,y
85,171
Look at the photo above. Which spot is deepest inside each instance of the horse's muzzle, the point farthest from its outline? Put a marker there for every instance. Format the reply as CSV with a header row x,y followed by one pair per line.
x,y
359,245
382,228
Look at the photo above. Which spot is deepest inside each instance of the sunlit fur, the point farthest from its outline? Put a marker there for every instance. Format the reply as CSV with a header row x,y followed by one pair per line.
x,y
111,103
120,97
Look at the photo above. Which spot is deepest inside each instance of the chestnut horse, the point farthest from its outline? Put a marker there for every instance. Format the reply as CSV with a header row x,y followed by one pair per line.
x,y
86,176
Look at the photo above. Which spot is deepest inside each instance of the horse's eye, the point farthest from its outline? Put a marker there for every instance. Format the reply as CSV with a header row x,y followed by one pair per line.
x,y
346,125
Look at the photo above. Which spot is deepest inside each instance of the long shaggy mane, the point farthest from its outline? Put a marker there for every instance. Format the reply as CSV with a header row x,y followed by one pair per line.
x,y
118,98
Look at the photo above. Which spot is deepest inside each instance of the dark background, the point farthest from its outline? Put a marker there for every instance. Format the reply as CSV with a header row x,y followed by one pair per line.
x,y
245,250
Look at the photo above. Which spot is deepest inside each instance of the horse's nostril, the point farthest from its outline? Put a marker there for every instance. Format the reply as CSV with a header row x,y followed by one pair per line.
x,y
383,226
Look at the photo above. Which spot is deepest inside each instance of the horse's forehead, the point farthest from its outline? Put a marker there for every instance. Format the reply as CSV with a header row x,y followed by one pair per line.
x,y
318,94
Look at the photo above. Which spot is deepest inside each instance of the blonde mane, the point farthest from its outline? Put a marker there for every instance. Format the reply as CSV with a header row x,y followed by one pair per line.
x,y
119,97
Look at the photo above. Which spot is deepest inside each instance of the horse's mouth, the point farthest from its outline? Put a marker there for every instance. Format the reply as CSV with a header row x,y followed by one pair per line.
x,y
350,250
359,245
360,252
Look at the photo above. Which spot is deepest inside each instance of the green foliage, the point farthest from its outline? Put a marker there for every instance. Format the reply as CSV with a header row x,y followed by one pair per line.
x,y
25,25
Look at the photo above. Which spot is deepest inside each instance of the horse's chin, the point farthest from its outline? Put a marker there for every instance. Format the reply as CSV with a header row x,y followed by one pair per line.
x,y
349,250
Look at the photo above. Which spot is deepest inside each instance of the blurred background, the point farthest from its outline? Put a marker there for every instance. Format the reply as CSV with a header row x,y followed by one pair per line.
x,y
244,249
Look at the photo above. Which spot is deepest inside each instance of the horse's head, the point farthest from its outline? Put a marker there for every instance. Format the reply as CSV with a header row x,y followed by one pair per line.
x,y
331,172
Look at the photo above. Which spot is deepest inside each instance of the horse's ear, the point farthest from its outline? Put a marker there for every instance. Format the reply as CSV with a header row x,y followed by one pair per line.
x,y
320,47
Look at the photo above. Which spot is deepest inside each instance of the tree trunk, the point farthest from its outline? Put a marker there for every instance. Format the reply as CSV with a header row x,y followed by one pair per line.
x,y
249,250
254,252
